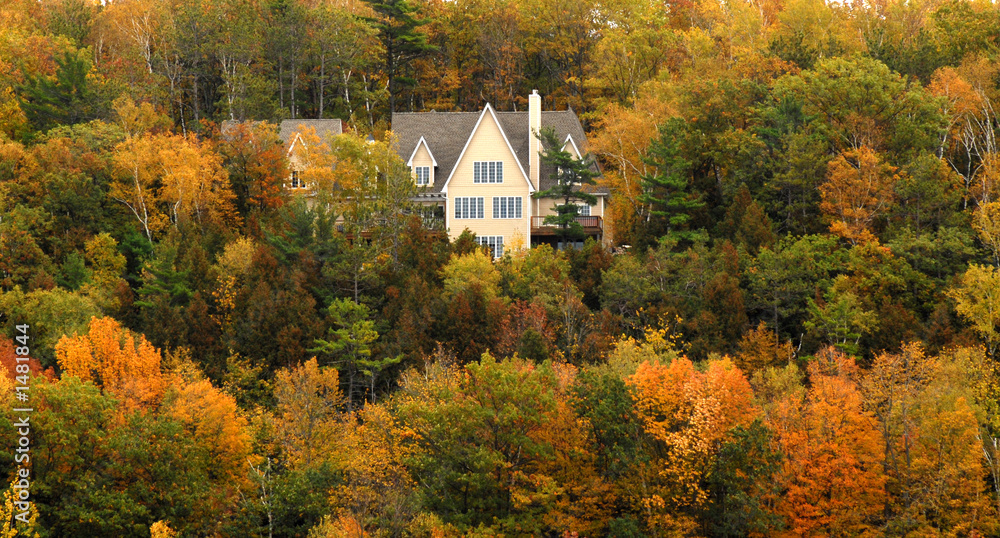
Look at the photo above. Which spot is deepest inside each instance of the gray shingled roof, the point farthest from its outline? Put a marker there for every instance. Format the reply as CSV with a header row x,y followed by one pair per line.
x,y
324,128
447,132
229,125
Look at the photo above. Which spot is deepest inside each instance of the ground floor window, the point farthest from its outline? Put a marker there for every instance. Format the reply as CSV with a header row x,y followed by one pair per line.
x,y
495,242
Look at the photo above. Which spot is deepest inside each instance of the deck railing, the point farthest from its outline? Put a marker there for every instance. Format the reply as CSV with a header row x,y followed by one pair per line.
x,y
586,222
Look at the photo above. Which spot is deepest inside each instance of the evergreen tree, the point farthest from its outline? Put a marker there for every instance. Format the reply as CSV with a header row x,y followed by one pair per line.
x,y
666,191
66,100
396,24
571,175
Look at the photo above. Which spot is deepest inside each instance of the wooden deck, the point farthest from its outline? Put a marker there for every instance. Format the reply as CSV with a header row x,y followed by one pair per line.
x,y
591,226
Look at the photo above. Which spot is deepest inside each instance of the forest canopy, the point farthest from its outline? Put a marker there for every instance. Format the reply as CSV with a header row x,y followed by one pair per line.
x,y
794,331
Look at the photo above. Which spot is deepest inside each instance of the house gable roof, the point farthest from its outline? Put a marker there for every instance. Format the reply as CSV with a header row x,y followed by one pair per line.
x,y
323,128
417,147
289,130
447,134
444,188
572,143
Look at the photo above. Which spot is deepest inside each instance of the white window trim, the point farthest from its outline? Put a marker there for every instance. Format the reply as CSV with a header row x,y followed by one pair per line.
x,y
416,173
458,212
515,209
487,168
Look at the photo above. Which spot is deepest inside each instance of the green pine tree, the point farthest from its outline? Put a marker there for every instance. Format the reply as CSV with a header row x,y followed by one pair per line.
x,y
666,192
396,24
571,175
66,100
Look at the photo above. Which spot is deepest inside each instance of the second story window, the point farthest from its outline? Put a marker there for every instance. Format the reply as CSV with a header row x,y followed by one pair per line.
x,y
469,207
507,207
487,172
583,210
423,175
296,182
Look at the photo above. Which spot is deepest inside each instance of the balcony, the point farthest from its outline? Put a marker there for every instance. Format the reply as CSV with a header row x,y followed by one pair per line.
x,y
591,226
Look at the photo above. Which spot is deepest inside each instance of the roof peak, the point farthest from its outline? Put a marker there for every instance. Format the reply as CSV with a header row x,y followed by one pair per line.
x,y
480,111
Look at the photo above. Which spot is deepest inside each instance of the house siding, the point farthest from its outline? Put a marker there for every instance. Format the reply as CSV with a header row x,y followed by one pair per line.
x,y
488,144
423,158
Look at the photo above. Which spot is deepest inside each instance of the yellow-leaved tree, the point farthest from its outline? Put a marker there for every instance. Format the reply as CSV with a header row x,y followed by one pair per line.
x,y
925,411
11,527
195,185
978,301
307,417
378,486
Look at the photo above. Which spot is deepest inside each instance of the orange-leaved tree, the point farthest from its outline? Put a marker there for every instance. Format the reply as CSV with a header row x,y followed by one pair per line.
x,y
577,500
213,421
122,363
832,473
258,165
689,413
858,190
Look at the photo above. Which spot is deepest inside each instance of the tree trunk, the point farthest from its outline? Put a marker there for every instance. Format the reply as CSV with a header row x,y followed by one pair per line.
x,y
322,79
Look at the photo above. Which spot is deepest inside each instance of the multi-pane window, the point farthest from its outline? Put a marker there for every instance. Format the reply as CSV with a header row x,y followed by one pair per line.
x,y
495,242
507,207
583,210
296,182
423,175
487,172
469,207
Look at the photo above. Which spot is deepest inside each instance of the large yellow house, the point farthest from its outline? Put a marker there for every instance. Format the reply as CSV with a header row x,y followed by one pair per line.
x,y
480,170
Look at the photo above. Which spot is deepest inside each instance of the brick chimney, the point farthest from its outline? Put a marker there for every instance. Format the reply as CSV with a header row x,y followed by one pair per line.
x,y
534,127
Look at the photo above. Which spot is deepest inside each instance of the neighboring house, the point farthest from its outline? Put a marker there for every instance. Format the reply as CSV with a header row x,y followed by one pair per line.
x,y
480,170
290,133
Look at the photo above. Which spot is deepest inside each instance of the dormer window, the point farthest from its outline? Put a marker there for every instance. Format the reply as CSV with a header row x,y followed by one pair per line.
x,y
296,182
566,177
487,172
423,174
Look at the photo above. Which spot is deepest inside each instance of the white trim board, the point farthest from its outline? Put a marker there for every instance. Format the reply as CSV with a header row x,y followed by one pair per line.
x,y
569,140
429,152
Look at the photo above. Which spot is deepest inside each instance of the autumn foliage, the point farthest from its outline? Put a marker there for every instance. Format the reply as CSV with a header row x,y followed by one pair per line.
x,y
833,453
858,190
123,364
789,325
690,413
